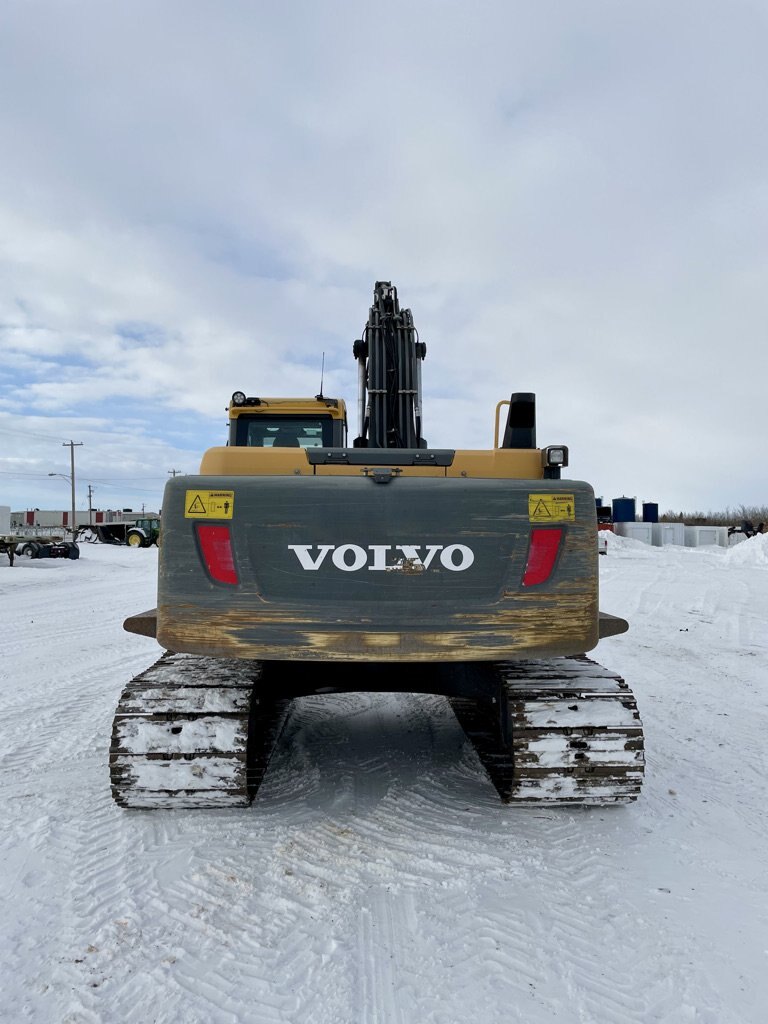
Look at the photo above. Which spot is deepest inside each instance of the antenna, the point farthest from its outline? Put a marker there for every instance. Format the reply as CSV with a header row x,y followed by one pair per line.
x,y
320,397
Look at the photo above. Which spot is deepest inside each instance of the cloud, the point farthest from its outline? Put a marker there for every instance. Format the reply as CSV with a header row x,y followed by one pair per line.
x,y
571,198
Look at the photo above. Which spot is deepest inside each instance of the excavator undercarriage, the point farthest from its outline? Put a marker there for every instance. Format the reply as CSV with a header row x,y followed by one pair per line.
x,y
198,732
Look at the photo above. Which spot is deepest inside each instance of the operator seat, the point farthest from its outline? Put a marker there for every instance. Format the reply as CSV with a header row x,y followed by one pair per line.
x,y
285,439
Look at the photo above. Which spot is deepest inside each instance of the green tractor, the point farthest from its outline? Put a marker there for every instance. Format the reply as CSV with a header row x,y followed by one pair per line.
x,y
143,533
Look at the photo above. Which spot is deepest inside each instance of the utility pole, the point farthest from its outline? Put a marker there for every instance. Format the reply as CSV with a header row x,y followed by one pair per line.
x,y
72,445
90,505
173,472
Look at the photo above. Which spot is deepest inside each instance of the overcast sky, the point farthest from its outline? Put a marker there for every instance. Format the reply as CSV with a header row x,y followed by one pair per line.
x,y
572,197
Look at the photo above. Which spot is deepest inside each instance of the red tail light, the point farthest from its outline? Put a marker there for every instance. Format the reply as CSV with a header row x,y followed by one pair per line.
x,y
216,546
542,554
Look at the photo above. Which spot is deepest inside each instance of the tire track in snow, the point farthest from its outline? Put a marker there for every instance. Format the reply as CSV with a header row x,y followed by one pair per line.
x,y
70,720
490,914
103,926
389,853
384,923
493,959
64,673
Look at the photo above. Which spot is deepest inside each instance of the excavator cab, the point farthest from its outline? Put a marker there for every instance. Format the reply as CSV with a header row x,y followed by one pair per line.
x,y
286,422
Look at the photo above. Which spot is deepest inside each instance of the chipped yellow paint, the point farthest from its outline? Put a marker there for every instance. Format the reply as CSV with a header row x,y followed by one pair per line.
x,y
361,646
530,625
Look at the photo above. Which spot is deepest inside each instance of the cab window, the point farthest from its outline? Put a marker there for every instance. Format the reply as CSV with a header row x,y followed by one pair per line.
x,y
284,431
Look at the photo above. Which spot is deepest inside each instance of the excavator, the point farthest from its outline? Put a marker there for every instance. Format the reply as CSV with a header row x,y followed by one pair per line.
x,y
296,563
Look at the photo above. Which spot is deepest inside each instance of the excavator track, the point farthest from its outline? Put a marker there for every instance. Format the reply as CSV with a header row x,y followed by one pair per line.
x,y
190,732
561,731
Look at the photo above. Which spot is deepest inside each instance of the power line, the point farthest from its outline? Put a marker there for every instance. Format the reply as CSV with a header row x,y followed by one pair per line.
x,y
113,483
30,433
13,473
124,479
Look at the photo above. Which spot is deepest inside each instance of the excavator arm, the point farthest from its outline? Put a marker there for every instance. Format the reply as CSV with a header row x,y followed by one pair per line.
x,y
389,357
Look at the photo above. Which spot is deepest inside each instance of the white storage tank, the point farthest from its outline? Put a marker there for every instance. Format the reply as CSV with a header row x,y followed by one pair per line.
x,y
5,519
668,533
703,536
635,531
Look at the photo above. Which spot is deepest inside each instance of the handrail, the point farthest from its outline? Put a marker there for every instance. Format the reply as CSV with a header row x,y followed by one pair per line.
x,y
504,401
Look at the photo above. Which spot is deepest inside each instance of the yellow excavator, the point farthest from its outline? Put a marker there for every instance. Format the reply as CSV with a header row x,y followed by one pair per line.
x,y
296,563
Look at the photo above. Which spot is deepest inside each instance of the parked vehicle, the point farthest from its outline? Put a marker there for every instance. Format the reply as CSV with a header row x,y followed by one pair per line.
x,y
37,547
143,533
138,534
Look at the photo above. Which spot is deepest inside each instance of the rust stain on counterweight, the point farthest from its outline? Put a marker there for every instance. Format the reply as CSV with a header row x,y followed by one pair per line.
x,y
553,627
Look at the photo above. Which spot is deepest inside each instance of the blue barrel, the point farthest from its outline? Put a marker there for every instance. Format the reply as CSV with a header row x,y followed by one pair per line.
x,y
650,512
623,510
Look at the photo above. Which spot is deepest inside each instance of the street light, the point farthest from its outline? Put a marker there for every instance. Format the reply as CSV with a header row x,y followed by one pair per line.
x,y
71,445
64,477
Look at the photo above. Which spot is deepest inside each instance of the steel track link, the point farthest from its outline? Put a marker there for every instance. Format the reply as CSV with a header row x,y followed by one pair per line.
x,y
189,732
561,731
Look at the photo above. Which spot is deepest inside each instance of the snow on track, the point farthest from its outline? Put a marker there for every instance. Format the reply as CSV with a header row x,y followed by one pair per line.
x,y
377,878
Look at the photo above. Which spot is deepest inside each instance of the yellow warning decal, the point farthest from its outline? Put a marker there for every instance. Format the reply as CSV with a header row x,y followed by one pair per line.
x,y
209,504
551,508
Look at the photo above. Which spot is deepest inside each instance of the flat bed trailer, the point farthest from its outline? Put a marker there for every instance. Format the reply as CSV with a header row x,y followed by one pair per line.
x,y
139,533
37,546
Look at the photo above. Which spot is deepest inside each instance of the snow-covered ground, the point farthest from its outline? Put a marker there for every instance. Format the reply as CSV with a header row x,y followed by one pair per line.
x,y
377,878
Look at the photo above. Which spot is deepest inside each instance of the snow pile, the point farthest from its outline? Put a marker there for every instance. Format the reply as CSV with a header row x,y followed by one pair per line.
x,y
627,547
752,551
